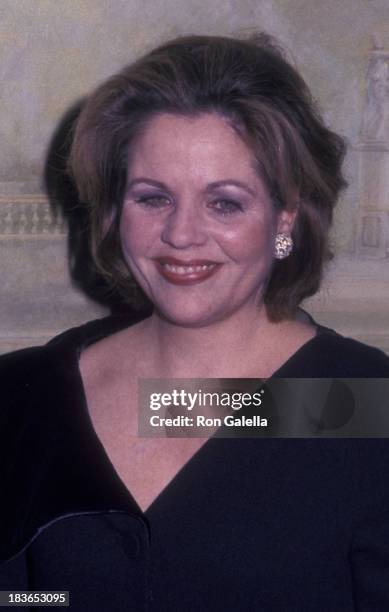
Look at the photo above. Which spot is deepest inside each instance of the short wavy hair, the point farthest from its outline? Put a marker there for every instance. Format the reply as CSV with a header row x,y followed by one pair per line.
x,y
264,98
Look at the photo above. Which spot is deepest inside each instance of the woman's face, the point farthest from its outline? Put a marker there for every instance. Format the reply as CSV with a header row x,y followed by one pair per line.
x,y
197,228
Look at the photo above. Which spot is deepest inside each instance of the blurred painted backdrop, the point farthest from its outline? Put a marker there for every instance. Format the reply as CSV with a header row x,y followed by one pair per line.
x,y
52,53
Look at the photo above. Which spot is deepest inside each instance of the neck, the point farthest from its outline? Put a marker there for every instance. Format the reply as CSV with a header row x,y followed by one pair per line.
x,y
212,351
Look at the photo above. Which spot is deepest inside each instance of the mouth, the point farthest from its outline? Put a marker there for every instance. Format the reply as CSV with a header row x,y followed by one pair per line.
x,y
190,272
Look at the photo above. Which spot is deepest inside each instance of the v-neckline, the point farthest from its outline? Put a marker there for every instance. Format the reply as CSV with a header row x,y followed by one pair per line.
x,y
200,451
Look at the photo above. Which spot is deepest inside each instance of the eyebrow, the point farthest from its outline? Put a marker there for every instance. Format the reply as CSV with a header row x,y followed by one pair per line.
x,y
210,187
231,182
135,182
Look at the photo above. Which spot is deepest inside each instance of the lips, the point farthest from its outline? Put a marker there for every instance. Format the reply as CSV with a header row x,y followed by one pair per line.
x,y
180,272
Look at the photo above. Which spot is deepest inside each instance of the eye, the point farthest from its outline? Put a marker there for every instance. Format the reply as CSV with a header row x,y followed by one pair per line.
x,y
153,201
226,207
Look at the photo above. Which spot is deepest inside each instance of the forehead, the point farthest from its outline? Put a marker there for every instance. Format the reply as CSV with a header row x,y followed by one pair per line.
x,y
202,145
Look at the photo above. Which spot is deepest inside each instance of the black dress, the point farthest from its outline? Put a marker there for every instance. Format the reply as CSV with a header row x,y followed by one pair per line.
x,y
247,524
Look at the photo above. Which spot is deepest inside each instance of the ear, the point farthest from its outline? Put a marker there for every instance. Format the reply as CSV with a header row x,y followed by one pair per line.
x,y
286,220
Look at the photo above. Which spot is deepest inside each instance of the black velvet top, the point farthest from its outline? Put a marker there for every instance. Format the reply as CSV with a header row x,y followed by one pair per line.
x,y
247,524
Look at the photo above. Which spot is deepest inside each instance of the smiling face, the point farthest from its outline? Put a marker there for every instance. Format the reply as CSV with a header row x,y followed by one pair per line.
x,y
197,227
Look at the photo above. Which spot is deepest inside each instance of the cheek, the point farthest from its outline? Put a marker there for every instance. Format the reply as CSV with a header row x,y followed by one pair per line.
x,y
135,235
250,243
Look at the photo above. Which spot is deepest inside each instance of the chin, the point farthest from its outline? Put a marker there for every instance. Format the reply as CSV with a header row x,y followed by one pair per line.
x,y
187,317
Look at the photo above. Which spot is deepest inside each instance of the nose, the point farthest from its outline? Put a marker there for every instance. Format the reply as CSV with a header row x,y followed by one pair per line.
x,y
184,227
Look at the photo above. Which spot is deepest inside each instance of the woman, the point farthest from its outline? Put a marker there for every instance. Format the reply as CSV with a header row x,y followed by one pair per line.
x,y
211,181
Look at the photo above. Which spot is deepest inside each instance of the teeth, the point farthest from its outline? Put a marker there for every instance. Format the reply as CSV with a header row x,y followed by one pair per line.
x,y
187,269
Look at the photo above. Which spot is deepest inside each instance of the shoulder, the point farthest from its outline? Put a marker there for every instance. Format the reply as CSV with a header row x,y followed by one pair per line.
x,y
331,355
350,358
30,376
73,338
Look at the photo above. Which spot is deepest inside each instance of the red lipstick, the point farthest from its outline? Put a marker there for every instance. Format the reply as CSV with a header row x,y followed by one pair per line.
x,y
180,272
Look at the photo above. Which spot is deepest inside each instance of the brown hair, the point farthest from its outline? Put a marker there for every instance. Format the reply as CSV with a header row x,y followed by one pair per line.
x,y
250,83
